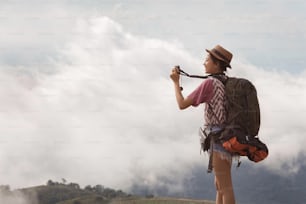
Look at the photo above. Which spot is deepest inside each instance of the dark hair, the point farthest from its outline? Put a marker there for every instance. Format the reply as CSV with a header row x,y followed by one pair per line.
x,y
223,65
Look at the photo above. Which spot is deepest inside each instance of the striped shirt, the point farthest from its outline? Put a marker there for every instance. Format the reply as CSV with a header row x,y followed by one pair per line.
x,y
211,92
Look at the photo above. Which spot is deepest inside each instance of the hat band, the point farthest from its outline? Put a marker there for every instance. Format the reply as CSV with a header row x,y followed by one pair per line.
x,y
220,54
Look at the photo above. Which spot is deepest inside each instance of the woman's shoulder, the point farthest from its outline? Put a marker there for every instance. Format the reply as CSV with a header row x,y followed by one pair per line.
x,y
208,80
217,80
207,83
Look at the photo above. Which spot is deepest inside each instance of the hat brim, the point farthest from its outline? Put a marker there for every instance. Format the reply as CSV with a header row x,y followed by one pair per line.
x,y
218,57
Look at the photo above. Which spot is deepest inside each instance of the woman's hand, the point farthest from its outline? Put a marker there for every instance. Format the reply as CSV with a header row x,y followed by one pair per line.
x,y
175,75
181,101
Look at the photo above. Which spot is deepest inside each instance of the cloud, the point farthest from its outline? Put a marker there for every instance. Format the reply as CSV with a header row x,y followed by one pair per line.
x,y
16,197
104,110
108,115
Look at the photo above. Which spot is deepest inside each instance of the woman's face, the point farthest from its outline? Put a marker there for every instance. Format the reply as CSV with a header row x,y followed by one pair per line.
x,y
210,66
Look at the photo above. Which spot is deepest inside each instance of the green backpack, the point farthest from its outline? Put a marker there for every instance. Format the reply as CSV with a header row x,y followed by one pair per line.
x,y
243,120
242,106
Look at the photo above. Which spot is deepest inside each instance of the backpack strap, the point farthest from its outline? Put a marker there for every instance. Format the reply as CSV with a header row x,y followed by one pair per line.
x,y
213,137
221,77
210,165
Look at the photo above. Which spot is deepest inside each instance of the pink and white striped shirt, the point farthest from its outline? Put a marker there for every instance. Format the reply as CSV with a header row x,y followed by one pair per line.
x,y
211,92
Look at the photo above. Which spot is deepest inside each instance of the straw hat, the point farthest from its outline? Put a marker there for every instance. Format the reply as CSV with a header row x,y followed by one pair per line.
x,y
222,54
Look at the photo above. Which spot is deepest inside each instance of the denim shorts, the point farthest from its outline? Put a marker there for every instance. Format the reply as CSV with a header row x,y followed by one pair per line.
x,y
217,147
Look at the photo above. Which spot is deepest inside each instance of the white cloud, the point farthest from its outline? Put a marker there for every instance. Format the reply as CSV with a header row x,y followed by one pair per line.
x,y
108,107
109,114
16,197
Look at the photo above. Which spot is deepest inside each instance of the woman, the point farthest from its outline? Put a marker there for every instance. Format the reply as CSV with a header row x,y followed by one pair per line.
x,y
211,92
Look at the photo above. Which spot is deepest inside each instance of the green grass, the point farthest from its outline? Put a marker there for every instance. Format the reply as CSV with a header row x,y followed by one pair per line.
x,y
67,194
160,201
86,200
96,200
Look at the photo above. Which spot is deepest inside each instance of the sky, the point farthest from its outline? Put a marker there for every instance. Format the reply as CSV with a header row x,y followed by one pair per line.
x,y
86,95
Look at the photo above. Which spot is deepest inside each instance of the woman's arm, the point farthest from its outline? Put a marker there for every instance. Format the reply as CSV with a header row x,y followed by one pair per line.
x,y
181,101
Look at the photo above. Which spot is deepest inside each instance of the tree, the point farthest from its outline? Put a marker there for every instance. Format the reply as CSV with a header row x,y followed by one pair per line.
x,y
74,186
99,188
64,181
88,188
5,188
50,183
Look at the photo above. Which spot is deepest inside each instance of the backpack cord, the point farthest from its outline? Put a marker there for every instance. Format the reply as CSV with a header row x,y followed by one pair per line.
x,y
191,76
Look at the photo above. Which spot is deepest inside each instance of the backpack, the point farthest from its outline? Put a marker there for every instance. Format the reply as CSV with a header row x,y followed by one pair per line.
x,y
240,133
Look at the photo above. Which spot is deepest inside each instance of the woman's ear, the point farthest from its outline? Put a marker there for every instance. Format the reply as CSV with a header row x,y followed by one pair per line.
x,y
218,64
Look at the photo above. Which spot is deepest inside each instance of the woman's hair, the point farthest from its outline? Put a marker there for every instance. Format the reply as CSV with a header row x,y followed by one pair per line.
x,y
222,65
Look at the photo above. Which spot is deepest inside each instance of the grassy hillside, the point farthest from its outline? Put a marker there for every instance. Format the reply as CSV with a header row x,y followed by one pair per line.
x,y
160,201
62,193
97,200
93,199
